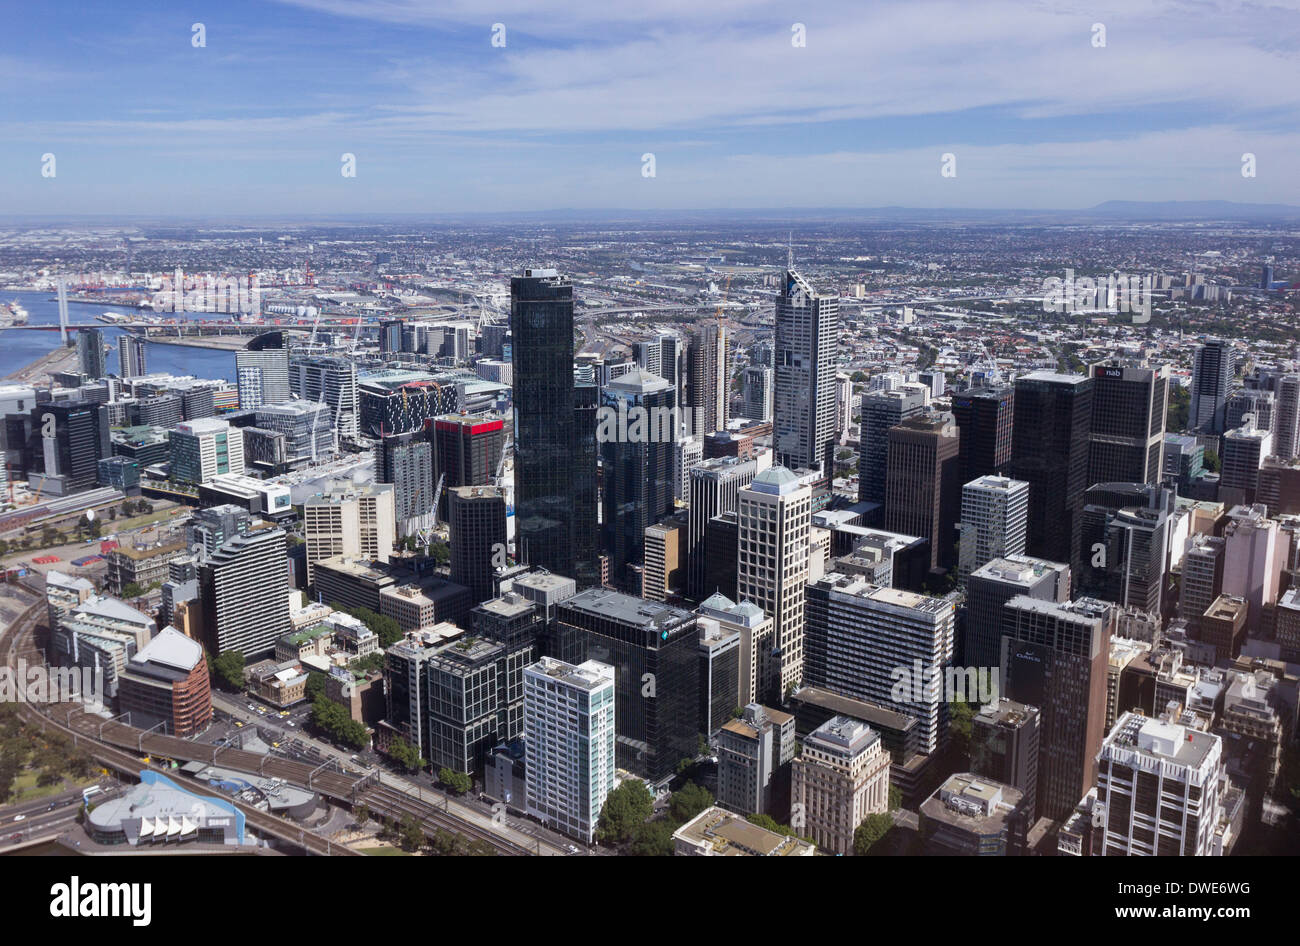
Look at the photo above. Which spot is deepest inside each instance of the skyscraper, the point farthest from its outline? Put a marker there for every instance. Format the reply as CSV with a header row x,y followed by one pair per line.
x,y
1054,656
204,448
1212,374
467,451
1129,404
1286,433
406,461
90,353
477,518
131,351
1049,451
262,374
541,323
983,416
922,484
356,521
995,583
707,387
881,410
841,777
69,438
636,430
757,393
994,516
774,515
715,489
807,342
1124,542
244,589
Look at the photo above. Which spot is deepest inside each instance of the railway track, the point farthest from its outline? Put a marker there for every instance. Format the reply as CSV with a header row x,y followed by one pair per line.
x,y
124,745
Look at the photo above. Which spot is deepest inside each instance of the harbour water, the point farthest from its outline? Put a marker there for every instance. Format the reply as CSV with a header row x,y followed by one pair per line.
x,y
19,348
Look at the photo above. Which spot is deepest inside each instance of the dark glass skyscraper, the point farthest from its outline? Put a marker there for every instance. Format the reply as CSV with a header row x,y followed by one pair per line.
x,y
1049,451
983,416
1128,423
547,471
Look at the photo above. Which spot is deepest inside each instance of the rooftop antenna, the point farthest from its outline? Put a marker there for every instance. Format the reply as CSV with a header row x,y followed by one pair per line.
x,y
789,251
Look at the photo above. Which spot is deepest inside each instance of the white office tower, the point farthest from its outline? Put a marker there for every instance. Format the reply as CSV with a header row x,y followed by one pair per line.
x,y
756,393
331,381
350,520
1286,430
262,376
774,516
203,448
687,452
843,407
569,734
1159,788
807,339
994,516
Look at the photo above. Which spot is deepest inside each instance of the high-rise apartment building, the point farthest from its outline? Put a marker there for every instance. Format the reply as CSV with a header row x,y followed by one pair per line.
x,y
569,722
244,591
91,358
1286,432
806,348
708,385
1129,404
406,462
332,381
132,358
774,515
1049,451
841,777
994,517
262,375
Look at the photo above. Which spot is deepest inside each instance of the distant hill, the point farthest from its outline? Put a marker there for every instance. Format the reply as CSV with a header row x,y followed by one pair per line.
x,y
1192,210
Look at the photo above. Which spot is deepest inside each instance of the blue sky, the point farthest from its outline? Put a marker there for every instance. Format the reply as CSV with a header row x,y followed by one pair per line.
x,y
142,122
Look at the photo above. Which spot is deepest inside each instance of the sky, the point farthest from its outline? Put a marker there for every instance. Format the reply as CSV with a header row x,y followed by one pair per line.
x,y
736,112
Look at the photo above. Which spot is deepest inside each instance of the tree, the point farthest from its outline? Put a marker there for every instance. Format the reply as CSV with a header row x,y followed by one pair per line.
x,y
653,839
858,377
959,727
1212,461
626,809
871,831
409,833
315,685
1180,405
132,590
405,755
227,670
688,802
439,552
456,782
385,628
362,815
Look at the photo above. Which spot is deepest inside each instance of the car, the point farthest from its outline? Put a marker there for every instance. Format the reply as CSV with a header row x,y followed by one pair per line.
x,y
15,838
18,818
291,724
239,724
571,849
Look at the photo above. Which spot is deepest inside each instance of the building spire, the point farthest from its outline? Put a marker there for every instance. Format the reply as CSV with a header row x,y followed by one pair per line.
x,y
789,251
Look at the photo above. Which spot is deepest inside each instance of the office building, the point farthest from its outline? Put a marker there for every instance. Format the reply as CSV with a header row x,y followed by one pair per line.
x,y
665,560
1055,657
1212,374
758,667
209,529
467,451
922,485
806,349
1286,432
995,583
1159,788
752,751
477,518
881,411
971,815
541,323
1124,544
860,635
715,489
983,417
637,431
1202,580
654,649
1049,451
757,395
165,685
994,517
244,590
1244,452
715,832
1129,404
774,517
69,438
719,675
841,777
349,520
1004,746
204,448
569,725
1255,552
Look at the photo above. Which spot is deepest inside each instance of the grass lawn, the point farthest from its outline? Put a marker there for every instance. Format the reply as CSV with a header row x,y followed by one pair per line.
x,y
26,789
384,851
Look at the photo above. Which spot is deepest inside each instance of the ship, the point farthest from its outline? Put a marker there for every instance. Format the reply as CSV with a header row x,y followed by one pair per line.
x,y
13,314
